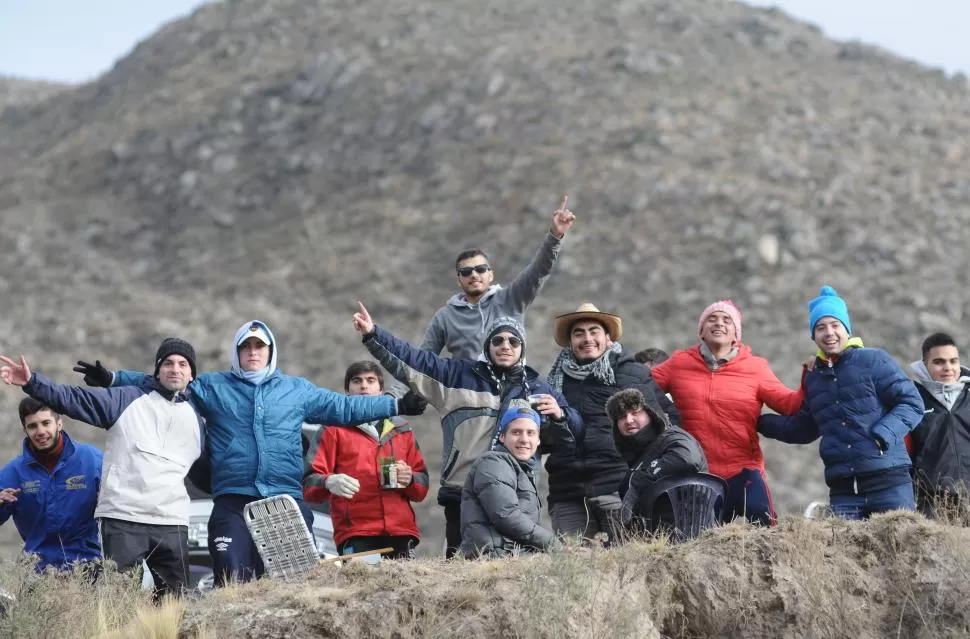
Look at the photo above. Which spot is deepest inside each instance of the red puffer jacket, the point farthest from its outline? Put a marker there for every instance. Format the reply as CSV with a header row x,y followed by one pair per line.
x,y
721,408
373,511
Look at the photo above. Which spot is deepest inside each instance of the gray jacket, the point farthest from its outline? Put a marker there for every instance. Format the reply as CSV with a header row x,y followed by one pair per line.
x,y
500,507
459,326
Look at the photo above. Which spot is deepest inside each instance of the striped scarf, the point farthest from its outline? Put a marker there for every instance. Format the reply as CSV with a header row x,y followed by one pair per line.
x,y
600,368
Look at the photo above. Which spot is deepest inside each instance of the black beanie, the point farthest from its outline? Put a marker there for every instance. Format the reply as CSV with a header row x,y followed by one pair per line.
x,y
174,346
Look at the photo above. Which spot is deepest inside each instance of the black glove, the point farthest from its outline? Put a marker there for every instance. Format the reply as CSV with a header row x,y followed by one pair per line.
x,y
411,404
95,374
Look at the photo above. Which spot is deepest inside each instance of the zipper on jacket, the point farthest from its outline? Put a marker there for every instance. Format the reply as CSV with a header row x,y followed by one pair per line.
x,y
452,460
855,485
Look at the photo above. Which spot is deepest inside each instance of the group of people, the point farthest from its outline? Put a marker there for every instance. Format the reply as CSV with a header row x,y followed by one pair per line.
x,y
610,422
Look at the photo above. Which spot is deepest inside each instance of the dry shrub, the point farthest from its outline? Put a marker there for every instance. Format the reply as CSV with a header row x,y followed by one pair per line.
x,y
897,575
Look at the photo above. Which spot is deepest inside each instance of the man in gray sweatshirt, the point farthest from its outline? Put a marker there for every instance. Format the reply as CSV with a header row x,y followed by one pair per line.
x,y
460,325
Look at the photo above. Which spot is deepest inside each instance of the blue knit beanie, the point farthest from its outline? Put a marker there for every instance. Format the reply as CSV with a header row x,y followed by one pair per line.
x,y
828,304
512,414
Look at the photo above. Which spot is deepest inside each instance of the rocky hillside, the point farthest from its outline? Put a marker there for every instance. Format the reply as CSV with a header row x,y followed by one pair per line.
x,y
281,159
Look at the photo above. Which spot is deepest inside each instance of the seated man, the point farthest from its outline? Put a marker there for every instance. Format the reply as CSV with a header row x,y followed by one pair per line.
x,y
653,448
52,470
367,512
941,441
499,502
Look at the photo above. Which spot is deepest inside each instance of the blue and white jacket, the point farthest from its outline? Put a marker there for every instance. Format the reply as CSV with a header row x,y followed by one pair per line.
x,y
154,435
54,512
254,442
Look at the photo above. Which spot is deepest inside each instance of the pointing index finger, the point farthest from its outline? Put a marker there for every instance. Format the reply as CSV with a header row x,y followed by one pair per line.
x,y
565,200
7,361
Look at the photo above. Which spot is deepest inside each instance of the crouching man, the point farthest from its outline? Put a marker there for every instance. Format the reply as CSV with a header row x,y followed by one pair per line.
x,y
654,449
499,502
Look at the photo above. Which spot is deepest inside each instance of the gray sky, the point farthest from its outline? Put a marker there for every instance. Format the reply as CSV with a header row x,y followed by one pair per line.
x,y
77,40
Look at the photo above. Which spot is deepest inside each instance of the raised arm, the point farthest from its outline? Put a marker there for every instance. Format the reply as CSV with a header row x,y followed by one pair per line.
x,y
98,407
495,487
523,290
425,373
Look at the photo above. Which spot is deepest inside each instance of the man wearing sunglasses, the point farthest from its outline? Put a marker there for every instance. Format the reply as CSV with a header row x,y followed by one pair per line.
x,y
459,326
471,395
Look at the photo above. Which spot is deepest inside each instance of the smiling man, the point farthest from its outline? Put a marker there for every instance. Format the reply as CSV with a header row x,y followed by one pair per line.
x,y
254,418
721,386
499,502
154,436
584,477
862,405
459,326
52,470
653,449
941,442
471,397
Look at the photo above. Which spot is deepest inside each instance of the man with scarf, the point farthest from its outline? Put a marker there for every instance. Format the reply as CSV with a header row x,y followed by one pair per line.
x,y
941,442
254,416
471,395
585,473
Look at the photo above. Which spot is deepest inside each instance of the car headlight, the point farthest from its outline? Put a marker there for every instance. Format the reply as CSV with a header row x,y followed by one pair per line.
x,y
199,533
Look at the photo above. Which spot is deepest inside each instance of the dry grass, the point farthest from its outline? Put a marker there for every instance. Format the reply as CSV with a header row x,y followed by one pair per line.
x,y
898,575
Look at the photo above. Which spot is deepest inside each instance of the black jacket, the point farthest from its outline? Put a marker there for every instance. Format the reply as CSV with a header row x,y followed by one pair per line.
x,y
591,466
659,451
941,444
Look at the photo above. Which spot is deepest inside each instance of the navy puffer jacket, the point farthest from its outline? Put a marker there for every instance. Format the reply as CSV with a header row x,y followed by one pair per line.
x,y
853,404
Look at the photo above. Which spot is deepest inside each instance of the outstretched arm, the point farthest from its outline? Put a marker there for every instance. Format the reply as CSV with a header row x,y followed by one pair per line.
x,y
523,290
799,428
98,407
425,373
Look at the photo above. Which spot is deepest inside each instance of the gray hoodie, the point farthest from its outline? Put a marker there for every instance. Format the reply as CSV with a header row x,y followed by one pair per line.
x,y
459,326
947,394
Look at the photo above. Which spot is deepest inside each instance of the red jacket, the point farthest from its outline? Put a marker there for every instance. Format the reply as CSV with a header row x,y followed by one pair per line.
x,y
721,408
373,511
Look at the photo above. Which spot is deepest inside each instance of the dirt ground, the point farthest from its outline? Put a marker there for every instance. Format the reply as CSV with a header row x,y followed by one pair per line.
x,y
898,575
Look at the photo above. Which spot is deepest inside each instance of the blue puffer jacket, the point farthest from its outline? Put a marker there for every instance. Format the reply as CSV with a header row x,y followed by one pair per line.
x,y
865,395
254,429
54,513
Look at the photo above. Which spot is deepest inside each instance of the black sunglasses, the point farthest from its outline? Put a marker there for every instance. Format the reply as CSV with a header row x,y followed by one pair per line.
x,y
481,269
498,340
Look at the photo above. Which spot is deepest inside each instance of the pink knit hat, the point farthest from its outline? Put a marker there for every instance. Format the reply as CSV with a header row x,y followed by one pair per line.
x,y
725,306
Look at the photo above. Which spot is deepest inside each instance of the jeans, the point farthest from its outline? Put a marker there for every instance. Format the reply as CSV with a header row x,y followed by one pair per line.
x,y
856,507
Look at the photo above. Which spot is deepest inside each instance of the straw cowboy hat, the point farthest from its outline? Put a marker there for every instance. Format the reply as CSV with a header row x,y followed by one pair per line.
x,y
564,323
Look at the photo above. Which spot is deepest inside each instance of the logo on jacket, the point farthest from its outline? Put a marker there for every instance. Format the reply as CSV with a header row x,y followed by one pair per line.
x,y
222,543
30,487
75,483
